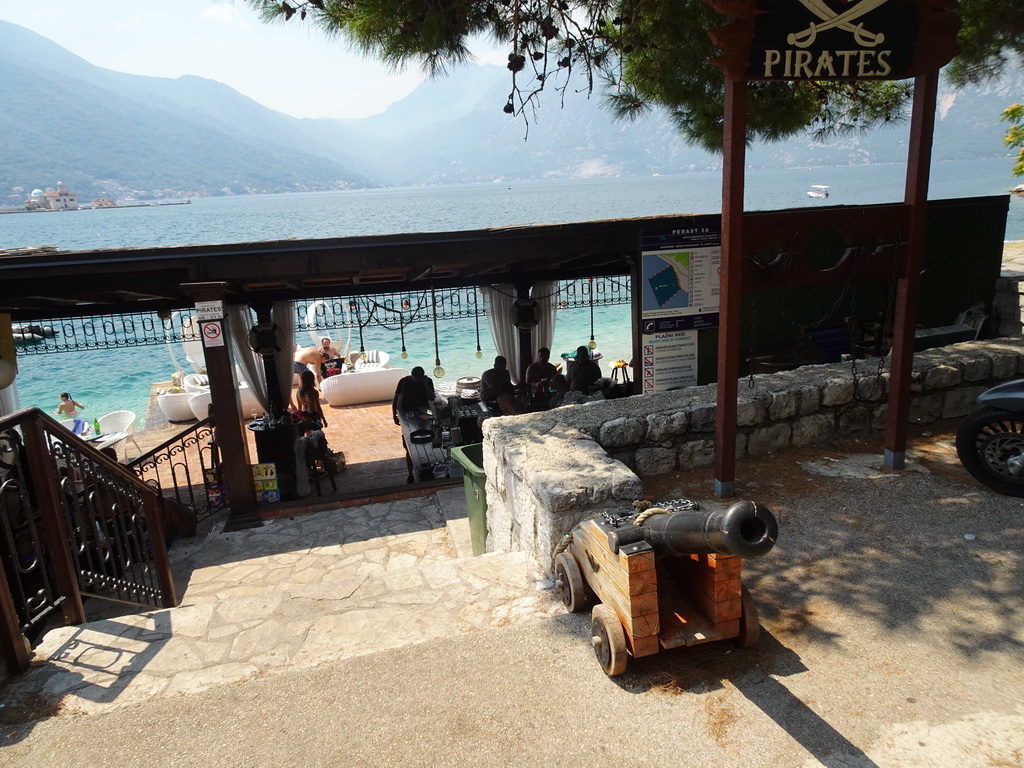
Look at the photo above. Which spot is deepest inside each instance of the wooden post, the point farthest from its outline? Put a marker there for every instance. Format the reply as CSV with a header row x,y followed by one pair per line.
x,y
731,289
922,126
231,442
155,524
55,532
13,645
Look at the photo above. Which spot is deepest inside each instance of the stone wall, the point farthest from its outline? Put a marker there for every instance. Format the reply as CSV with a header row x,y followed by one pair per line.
x,y
547,471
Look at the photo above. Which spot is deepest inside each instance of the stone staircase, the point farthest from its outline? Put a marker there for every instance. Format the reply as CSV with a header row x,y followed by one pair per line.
x,y
294,593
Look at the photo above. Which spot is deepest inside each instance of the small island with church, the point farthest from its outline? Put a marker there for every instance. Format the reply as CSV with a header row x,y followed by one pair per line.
x,y
61,199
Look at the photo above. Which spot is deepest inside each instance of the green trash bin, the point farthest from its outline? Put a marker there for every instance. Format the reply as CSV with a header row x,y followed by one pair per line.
x,y
471,457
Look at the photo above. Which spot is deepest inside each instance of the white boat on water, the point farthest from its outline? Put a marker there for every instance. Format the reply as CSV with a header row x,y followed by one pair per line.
x,y
818,190
31,334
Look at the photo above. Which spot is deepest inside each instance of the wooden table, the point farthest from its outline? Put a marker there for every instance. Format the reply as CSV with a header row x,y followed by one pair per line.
x,y
106,439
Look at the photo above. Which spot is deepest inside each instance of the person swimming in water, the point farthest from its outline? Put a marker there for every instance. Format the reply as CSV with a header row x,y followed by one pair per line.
x,y
68,407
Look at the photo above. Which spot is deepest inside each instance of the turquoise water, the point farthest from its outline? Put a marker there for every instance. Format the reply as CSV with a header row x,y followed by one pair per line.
x,y
112,380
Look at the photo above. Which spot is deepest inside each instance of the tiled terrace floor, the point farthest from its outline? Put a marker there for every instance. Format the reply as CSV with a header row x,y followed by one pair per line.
x,y
366,434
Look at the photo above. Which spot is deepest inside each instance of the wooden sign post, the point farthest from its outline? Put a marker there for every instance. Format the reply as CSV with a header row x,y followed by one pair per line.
x,y
822,40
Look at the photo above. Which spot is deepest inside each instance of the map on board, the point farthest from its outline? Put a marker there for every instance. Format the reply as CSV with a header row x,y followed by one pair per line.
x,y
670,284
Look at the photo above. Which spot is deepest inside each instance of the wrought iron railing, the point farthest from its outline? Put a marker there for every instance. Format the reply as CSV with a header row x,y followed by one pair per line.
x,y
186,470
389,311
73,522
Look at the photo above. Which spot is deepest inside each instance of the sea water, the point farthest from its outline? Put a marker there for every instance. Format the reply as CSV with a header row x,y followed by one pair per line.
x,y
109,380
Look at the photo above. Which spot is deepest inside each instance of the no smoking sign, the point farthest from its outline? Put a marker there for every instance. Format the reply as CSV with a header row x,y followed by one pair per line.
x,y
213,334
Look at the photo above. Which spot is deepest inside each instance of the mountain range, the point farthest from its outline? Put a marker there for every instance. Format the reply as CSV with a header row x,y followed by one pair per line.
x,y
106,133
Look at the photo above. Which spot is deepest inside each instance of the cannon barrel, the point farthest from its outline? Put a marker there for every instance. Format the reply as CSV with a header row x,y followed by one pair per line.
x,y
745,529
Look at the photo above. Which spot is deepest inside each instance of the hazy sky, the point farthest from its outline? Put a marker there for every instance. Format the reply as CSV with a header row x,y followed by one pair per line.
x,y
285,66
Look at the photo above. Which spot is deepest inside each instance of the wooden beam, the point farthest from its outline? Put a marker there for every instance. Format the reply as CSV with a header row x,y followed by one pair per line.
x,y
922,126
731,300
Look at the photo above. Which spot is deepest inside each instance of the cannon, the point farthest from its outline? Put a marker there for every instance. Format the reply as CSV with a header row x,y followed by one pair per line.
x,y
663,577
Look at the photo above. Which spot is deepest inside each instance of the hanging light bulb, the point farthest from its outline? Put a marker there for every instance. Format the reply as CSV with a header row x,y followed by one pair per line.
x,y
592,344
438,370
401,329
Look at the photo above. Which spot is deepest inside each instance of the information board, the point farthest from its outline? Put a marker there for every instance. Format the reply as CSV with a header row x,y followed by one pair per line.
x,y
680,291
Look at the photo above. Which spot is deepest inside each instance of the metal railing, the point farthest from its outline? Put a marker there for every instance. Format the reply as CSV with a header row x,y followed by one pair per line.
x,y
389,311
185,470
73,523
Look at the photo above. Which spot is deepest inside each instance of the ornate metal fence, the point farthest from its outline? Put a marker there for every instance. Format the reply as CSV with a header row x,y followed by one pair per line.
x,y
391,311
185,469
72,522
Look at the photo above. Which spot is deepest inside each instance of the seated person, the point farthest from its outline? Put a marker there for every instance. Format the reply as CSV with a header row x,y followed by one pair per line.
x,y
583,372
307,401
560,385
493,379
541,372
331,355
328,348
412,393
506,402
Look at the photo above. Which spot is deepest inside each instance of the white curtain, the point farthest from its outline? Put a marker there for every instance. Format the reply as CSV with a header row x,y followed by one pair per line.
x,y
249,366
543,335
284,317
498,301
9,400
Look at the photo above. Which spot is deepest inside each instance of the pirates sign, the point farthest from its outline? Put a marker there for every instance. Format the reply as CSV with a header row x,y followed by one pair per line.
x,y
834,39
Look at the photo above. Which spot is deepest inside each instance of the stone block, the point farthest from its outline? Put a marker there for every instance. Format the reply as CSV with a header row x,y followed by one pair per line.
x,y
665,426
783,405
942,377
749,413
1004,365
925,409
810,400
815,429
854,421
879,416
957,403
655,461
702,417
837,391
697,453
871,387
769,439
628,430
975,367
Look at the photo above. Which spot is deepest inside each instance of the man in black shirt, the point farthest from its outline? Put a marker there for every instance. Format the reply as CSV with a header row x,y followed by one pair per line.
x,y
413,392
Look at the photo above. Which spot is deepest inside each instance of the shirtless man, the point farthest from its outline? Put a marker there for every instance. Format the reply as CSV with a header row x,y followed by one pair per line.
x,y
330,349
310,356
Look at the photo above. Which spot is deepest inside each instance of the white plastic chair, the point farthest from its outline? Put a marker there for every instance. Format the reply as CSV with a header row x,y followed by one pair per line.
x,y
119,421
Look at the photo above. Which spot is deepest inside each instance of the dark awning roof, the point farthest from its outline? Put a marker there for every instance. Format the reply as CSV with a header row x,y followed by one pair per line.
x,y
66,283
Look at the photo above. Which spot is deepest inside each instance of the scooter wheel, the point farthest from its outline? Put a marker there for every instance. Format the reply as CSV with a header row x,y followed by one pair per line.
x,y
990,444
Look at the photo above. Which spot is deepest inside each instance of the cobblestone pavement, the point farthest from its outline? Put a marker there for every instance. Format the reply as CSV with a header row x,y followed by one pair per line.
x,y
292,594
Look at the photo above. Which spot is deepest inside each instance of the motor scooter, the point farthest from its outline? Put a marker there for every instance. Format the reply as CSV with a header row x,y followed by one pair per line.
x,y
990,440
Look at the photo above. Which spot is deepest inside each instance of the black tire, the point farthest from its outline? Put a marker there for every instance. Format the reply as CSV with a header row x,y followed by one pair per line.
x,y
990,444
609,640
569,583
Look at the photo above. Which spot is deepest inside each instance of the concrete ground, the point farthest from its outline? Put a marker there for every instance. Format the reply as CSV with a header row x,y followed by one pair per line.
x,y
892,615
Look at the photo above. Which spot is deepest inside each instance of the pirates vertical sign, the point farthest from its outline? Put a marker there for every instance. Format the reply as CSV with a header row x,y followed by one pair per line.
x,y
834,39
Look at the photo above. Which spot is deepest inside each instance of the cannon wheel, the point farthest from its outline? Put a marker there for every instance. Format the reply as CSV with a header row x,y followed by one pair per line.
x,y
750,624
569,583
609,640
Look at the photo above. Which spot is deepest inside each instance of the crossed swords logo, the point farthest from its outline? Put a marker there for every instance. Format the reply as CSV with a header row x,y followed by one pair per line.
x,y
841,21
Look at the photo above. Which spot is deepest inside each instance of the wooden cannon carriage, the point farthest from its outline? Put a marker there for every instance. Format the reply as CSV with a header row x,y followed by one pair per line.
x,y
665,577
